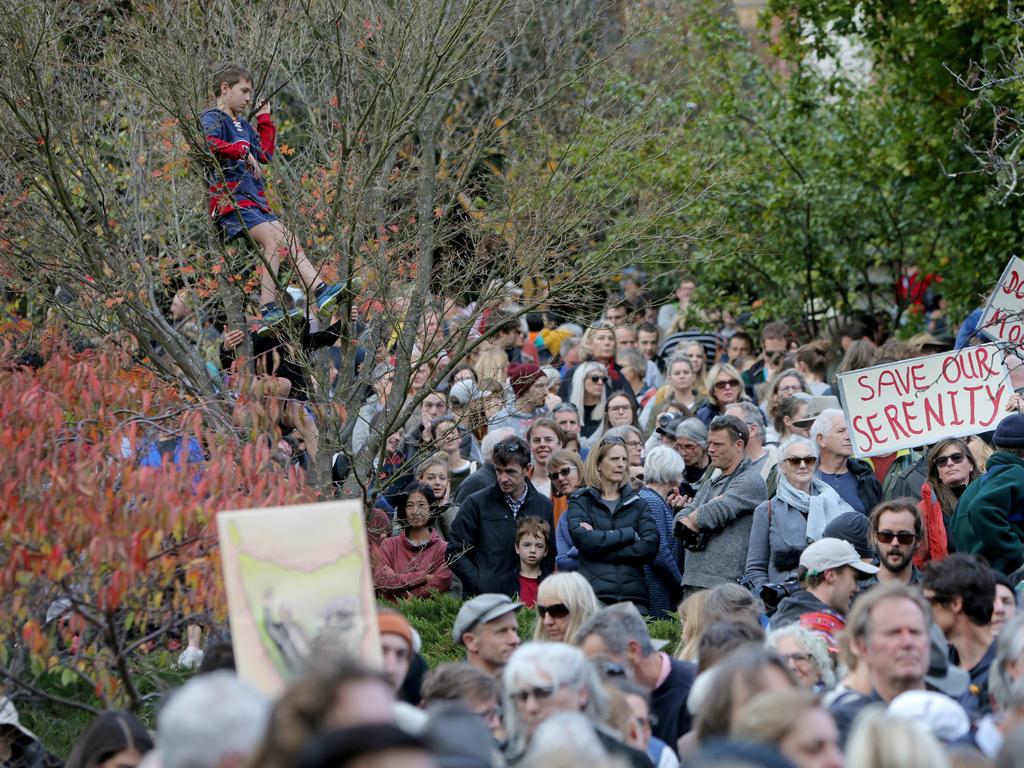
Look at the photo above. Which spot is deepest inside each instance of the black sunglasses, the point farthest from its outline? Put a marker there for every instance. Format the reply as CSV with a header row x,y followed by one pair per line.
x,y
557,610
564,472
596,377
799,461
903,537
733,383
953,458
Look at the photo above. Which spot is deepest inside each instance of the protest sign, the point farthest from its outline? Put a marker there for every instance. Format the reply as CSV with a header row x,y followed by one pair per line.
x,y
919,401
297,579
1003,318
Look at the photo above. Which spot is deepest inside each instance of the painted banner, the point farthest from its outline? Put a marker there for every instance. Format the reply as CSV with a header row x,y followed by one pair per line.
x,y
1004,314
919,401
297,579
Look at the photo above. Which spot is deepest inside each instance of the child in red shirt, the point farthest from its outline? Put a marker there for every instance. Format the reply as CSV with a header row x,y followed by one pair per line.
x,y
533,537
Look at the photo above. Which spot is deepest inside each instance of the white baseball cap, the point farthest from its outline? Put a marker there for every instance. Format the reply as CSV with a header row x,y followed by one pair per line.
x,y
833,553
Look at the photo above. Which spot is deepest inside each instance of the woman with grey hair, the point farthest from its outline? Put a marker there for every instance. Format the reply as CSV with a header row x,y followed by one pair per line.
x,y
544,679
663,471
806,654
794,517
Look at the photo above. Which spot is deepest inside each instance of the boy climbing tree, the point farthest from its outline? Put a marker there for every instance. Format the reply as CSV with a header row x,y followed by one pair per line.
x,y
238,202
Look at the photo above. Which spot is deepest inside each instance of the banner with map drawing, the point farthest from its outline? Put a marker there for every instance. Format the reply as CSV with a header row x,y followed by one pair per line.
x,y
297,579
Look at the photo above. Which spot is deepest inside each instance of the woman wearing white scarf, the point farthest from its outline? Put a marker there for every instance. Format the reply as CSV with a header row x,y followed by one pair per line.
x,y
798,513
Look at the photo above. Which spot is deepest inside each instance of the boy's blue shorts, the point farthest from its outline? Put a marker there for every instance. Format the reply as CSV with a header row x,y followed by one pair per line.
x,y
230,226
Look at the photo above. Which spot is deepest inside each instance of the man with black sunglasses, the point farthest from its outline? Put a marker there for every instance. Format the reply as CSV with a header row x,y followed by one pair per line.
x,y
894,531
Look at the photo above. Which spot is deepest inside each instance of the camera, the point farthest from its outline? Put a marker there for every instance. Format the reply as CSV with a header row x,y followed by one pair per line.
x,y
773,594
694,541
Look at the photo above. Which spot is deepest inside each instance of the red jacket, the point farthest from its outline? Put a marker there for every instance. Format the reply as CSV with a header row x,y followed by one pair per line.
x,y
406,570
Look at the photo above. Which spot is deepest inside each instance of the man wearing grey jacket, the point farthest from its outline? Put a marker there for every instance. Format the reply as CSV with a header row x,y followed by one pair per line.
x,y
715,526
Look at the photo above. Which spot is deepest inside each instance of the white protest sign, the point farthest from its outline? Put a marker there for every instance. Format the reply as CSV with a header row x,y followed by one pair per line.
x,y
1004,314
919,401
296,578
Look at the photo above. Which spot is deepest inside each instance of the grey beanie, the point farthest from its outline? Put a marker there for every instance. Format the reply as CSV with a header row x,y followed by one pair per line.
x,y
693,429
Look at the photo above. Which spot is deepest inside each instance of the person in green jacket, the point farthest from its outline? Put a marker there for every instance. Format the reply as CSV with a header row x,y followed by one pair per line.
x,y
989,519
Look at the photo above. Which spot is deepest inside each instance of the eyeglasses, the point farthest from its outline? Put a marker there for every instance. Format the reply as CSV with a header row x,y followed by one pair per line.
x,y
538,693
563,473
799,461
596,377
903,537
634,444
798,658
788,390
729,383
953,458
623,407
612,669
557,610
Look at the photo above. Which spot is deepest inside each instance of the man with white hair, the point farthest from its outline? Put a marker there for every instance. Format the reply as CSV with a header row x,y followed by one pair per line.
x,y
486,476
1006,688
854,480
213,721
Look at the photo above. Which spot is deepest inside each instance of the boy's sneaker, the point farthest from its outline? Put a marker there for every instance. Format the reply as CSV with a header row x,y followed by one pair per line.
x,y
327,294
271,315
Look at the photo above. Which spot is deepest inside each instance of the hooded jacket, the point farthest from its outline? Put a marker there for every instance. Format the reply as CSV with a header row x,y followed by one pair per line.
x,y
989,519
796,605
624,538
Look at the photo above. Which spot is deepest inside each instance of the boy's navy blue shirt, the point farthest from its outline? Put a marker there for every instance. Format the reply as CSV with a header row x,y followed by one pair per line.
x,y
231,141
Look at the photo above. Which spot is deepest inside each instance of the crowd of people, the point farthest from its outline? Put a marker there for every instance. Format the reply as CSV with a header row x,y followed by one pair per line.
x,y
598,473
833,610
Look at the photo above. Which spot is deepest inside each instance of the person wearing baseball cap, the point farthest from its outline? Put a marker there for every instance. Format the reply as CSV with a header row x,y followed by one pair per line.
x,y
529,388
487,627
829,573
987,521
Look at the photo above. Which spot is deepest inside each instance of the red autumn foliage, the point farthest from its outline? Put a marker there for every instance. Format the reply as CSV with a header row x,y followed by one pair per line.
x,y
101,557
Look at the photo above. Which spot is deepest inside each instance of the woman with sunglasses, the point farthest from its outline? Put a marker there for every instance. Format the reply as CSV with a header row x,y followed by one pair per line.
x,y
612,527
725,387
794,517
566,472
590,397
565,602
951,467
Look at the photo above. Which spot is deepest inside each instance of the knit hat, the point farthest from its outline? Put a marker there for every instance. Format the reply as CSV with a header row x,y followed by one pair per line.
x,y
692,429
851,527
522,376
393,623
1010,432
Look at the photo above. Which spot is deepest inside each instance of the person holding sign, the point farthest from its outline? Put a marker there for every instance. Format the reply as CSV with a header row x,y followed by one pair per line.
x,y
852,479
989,519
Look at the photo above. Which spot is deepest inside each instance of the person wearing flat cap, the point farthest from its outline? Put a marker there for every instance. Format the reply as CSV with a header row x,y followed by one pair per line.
x,y
488,629
830,570
529,389
989,520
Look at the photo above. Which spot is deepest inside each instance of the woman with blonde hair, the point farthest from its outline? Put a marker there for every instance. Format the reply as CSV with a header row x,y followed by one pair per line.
x,y
725,387
693,620
565,602
590,396
679,386
795,723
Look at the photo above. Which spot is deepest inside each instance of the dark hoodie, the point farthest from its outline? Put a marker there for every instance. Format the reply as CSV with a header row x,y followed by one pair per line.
x,y
989,519
793,607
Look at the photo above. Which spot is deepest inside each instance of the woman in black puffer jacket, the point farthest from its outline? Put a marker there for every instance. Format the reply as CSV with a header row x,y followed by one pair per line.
x,y
612,527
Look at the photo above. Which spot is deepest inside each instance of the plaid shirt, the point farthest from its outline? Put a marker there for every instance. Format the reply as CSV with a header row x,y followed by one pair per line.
x,y
516,504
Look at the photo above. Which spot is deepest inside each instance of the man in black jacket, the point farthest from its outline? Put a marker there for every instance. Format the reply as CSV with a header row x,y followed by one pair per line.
x,y
619,634
481,547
